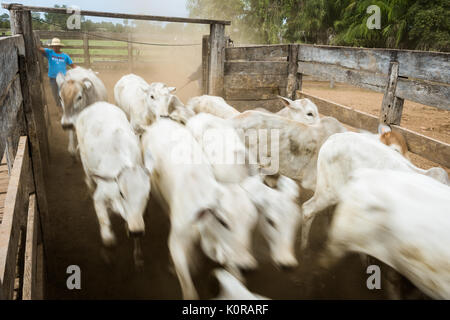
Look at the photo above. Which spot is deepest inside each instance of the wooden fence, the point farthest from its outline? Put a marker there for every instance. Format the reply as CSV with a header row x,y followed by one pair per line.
x,y
24,148
112,50
21,247
254,76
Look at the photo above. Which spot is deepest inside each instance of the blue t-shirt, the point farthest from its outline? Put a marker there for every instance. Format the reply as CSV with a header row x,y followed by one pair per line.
x,y
56,62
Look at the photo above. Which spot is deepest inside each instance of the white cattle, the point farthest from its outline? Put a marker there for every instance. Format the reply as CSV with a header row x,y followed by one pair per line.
x,y
78,89
301,110
220,216
400,218
143,103
212,105
292,147
232,289
222,146
112,161
339,157
279,216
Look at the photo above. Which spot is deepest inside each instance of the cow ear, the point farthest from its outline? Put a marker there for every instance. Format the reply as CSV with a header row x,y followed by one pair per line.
x,y
172,89
383,128
87,84
287,102
59,79
174,103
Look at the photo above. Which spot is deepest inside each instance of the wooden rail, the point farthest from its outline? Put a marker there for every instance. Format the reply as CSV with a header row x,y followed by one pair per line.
x,y
114,15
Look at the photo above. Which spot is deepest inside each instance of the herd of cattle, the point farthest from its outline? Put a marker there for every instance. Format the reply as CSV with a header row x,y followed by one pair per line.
x,y
387,208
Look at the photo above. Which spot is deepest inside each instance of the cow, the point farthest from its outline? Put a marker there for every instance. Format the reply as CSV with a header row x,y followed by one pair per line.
x,y
220,216
339,157
280,216
292,146
213,105
402,219
222,146
114,170
144,103
78,89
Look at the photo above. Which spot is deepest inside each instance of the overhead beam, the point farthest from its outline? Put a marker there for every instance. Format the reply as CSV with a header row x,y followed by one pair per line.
x,y
14,6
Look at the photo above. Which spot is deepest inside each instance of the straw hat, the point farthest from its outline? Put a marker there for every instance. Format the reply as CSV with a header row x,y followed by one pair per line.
x,y
56,42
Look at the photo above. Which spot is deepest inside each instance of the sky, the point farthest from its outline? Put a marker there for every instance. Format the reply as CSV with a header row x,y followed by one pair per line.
x,y
174,8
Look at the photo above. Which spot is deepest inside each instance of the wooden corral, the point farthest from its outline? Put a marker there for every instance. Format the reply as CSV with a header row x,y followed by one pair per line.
x,y
254,77
247,77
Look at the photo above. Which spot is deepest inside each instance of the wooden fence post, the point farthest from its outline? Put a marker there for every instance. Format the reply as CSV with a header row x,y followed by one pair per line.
x,y
87,56
294,81
392,106
216,59
130,53
205,63
33,109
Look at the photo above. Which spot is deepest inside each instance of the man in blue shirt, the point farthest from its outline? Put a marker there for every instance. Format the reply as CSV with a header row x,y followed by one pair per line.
x,y
57,63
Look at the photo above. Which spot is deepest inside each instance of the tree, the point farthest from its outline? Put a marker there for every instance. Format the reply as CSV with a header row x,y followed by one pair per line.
x,y
4,21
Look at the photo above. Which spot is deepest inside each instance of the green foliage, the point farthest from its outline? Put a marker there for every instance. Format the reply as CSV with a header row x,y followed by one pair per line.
x,y
405,24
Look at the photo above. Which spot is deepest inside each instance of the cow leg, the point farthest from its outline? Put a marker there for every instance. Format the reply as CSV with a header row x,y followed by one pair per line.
x,y
137,254
72,143
101,210
309,210
180,245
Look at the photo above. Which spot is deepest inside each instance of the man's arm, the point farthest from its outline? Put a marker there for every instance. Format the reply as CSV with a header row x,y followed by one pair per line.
x,y
41,50
73,65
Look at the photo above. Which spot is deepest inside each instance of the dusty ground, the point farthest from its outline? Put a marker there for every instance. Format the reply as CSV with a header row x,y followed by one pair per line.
x,y
76,241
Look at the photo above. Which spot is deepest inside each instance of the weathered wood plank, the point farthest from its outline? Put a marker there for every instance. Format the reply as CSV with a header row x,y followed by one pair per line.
x,y
31,242
391,107
436,95
272,105
16,204
425,65
263,93
116,15
294,78
12,122
256,67
258,53
429,148
430,94
362,79
9,65
86,57
432,66
216,59
249,81
205,63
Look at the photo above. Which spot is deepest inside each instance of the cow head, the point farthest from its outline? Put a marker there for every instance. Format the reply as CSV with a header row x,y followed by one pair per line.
x,y
226,232
132,193
302,110
279,216
161,99
74,97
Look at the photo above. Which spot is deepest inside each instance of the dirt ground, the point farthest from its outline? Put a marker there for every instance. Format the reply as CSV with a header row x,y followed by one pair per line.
x,y
76,241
